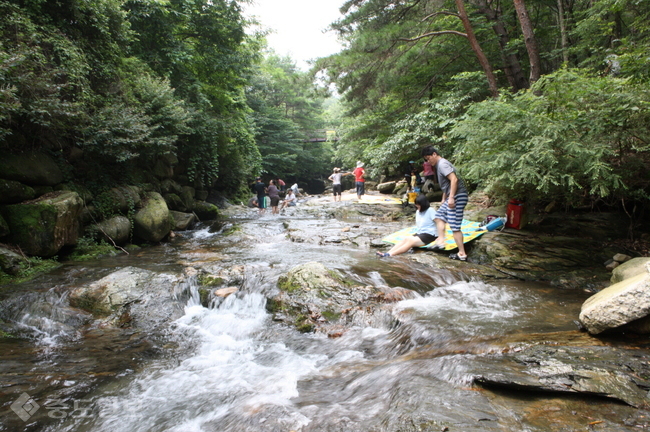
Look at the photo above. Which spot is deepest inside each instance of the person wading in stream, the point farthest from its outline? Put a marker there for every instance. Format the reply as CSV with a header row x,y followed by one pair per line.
x,y
260,191
454,200
274,194
426,233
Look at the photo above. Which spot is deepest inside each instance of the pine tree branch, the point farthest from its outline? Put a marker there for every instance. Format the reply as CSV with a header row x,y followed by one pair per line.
x,y
432,34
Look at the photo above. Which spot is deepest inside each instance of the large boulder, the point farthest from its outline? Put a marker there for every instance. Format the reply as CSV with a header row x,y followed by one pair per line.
x,y
619,304
631,268
117,229
183,221
153,221
386,188
205,210
131,297
187,196
12,192
314,298
31,169
118,200
43,226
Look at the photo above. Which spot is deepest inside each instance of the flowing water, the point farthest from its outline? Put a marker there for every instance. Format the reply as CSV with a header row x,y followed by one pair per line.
x,y
230,367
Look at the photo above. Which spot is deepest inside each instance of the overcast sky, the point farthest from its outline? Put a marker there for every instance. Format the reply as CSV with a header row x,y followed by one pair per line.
x,y
298,27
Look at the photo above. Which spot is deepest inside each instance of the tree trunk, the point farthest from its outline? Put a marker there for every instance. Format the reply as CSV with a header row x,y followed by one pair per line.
x,y
511,65
529,38
560,14
482,59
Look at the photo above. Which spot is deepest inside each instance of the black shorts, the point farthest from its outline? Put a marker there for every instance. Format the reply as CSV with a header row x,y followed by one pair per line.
x,y
336,189
275,201
426,238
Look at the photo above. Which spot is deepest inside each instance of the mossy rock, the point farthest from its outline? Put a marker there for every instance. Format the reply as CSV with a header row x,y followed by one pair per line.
x,y
42,227
118,200
205,210
153,221
92,304
174,202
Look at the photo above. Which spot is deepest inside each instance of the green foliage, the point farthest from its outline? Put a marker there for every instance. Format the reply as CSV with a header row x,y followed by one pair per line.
x,y
583,138
88,248
286,109
29,269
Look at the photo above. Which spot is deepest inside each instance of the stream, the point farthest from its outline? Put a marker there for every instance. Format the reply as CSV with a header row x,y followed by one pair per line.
x,y
231,367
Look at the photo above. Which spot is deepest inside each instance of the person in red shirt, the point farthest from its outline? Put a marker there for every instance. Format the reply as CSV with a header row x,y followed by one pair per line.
x,y
428,175
359,172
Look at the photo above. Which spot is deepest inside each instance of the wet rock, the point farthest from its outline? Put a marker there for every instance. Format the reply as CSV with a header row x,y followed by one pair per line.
x,y
116,229
131,297
43,226
183,221
12,192
225,292
617,304
612,265
564,261
593,371
314,298
631,268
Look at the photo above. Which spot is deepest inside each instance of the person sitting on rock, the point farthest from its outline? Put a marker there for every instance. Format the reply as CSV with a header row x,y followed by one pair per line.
x,y
289,199
426,232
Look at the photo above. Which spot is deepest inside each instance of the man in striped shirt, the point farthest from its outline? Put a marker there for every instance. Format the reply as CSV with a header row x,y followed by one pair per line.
x,y
454,200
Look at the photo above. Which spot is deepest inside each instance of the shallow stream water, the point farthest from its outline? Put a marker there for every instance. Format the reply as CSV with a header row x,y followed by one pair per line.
x,y
230,367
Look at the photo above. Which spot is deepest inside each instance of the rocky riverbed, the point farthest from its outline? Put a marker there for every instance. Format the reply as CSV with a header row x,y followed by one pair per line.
x,y
291,323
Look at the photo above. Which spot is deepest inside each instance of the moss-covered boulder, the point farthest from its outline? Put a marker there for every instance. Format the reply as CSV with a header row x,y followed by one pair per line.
x,y
153,221
187,196
31,169
117,229
174,202
43,226
118,200
12,192
205,210
314,298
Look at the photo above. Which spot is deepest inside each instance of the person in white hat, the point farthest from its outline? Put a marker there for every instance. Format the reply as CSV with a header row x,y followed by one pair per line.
x,y
359,173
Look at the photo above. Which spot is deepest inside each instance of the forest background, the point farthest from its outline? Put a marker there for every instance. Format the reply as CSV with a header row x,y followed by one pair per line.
x,y
547,100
